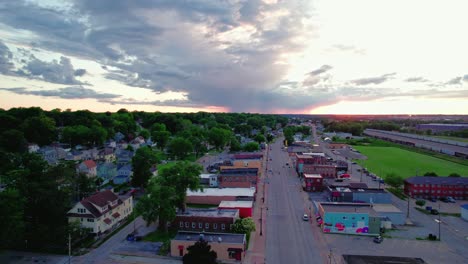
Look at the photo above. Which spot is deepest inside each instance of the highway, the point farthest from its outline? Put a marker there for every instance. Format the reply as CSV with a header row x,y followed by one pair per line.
x,y
290,239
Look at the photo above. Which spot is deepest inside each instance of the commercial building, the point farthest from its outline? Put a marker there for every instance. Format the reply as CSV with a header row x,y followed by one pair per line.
x,y
209,180
101,211
228,247
358,195
438,128
214,196
245,207
317,163
357,218
206,220
313,182
237,177
436,187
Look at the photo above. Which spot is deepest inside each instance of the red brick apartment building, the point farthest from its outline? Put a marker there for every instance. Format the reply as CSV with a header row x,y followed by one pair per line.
x,y
206,220
437,187
313,182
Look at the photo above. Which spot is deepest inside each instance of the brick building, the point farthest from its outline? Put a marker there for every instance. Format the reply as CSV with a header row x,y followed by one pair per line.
x,y
437,187
313,182
317,163
237,177
206,220
245,207
214,196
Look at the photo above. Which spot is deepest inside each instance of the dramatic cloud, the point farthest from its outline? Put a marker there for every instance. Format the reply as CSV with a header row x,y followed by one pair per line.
x,y
416,79
55,72
5,59
75,92
373,80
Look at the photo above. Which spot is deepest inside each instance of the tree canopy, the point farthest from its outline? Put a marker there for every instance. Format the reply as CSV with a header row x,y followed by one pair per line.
x,y
200,252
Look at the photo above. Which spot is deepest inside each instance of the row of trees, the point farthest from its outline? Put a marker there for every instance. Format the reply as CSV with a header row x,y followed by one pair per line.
x,y
290,131
34,125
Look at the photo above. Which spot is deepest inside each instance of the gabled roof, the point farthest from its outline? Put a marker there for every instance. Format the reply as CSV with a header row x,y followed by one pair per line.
x,y
89,163
102,198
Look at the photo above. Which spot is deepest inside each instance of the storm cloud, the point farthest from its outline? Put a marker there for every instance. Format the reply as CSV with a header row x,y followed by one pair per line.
x,y
74,92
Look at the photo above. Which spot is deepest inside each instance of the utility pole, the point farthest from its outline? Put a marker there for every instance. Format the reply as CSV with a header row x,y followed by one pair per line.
x,y
69,248
261,221
407,212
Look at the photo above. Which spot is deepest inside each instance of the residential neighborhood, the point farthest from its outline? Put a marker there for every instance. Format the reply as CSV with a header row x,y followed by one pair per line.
x,y
296,196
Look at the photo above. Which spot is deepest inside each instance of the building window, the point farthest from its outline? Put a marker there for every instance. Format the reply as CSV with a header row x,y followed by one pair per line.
x,y
90,220
215,226
223,226
207,226
200,225
181,224
232,254
194,225
362,218
344,217
230,226
186,224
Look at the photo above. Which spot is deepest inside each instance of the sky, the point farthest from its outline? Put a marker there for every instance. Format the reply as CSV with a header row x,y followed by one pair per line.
x,y
260,56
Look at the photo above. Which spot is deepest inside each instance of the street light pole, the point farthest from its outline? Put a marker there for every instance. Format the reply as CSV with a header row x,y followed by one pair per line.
x,y
69,248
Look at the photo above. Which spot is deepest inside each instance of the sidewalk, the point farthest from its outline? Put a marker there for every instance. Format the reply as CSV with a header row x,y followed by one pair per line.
x,y
255,254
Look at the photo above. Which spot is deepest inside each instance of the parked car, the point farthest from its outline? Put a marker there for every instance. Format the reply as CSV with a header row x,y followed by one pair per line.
x,y
433,199
305,217
451,200
434,212
444,199
378,239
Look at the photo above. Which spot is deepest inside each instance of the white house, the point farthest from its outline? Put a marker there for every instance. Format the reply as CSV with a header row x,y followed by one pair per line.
x,y
101,211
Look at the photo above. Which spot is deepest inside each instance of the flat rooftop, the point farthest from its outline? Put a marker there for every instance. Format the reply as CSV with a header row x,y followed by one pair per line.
x,y
317,176
236,204
206,176
210,212
385,208
347,208
223,192
210,237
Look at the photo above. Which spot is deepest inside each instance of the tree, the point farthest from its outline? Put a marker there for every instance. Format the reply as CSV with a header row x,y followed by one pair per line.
x,y
144,158
259,138
431,174
219,137
244,226
453,174
13,140
144,133
159,204
200,252
11,218
39,129
161,138
235,145
179,148
181,175
251,146
420,202
394,180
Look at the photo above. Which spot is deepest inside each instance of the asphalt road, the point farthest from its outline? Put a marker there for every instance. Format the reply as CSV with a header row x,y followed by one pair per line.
x,y
289,238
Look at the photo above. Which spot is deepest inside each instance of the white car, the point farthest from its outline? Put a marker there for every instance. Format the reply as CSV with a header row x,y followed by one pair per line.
x,y
305,217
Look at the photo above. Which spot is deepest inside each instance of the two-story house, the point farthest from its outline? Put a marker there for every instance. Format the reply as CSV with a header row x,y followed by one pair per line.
x,y
101,211
107,154
87,167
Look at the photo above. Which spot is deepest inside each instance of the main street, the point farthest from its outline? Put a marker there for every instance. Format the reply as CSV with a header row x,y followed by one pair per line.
x,y
289,238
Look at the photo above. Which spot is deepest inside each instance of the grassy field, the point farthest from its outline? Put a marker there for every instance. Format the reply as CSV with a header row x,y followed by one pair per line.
x,y
384,160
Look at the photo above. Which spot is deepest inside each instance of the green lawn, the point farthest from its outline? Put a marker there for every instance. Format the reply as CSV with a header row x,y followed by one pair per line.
x,y
384,160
